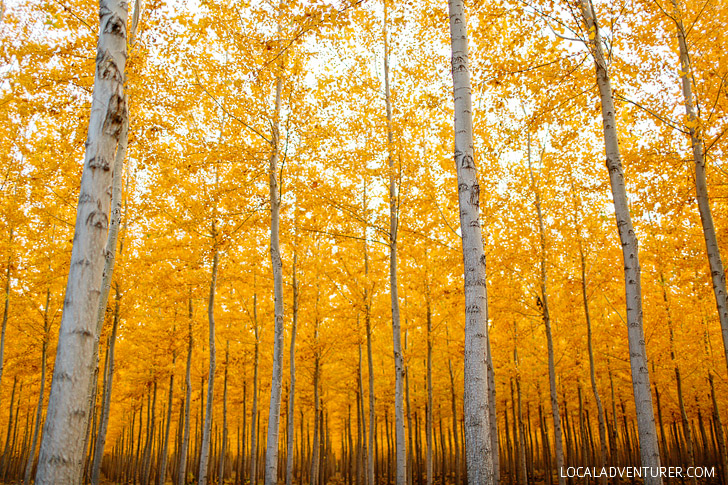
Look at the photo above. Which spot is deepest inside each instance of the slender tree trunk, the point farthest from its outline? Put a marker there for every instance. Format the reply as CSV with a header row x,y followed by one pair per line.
x,y
401,444
663,436
543,305
254,415
522,458
165,446
271,456
590,346
701,184
61,452
719,430
372,409
223,443
149,464
455,434
408,414
493,417
361,423
12,431
4,461
292,392
428,426
6,306
182,468
109,263
479,450
39,408
649,450
592,368
315,458
207,430
369,459
678,382
151,418
106,399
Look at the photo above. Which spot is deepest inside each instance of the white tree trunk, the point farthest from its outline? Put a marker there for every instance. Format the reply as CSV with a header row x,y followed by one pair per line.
x,y
292,394
254,412
603,440
6,307
271,455
39,408
370,359
649,450
400,439
106,398
162,476
223,445
315,459
717,273
207,430
428,424
61,454
478,445
182,468
544,307
109,264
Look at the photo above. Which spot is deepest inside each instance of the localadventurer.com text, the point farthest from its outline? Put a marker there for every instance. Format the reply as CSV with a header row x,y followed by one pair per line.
x,y
637,472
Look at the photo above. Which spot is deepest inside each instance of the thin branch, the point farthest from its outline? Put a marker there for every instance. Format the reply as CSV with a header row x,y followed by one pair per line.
x,y
669,123
610,304
444,219
708,147
225,110
561,36
67,9
334,234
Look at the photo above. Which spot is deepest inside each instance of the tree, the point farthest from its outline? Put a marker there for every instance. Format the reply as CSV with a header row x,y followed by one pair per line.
x,y
60,457
649,451
478,446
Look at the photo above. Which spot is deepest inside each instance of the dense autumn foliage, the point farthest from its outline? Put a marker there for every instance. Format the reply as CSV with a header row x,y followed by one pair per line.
x,y
201,83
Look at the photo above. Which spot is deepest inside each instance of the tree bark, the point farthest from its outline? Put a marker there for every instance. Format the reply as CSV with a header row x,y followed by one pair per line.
x,y
361,475
182,468
207,430
39,408
723,454
649,450
592,366
292,392
455,434
254,413
428,425
370,360
165,446
478,445
271,455
6,306
701,184
493,423
109,263
315,458
223,444
543,305
61,453
400,440
106,400
522,472
408,414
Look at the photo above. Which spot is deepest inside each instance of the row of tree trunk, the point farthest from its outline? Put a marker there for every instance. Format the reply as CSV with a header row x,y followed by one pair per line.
x,y
149,449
